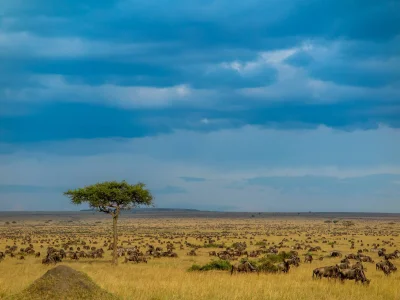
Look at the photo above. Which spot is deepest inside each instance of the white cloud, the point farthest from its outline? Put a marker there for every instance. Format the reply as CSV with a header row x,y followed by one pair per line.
x,y
28,44
295,82
56,88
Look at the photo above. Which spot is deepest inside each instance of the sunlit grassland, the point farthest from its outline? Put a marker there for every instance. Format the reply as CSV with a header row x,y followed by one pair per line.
x,y
168,278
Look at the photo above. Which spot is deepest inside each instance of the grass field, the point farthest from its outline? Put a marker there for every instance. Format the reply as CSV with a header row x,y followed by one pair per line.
x,y
168,278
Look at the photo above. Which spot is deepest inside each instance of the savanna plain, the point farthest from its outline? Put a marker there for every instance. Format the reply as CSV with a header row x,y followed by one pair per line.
x,y
190,256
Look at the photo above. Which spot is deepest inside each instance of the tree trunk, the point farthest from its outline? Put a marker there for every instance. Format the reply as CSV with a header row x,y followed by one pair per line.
x,y
115,243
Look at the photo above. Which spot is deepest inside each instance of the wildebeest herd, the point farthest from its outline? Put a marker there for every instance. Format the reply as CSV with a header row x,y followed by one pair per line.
x,y
330,251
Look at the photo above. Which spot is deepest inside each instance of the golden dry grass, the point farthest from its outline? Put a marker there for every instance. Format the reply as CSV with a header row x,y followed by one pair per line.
x,y
168,278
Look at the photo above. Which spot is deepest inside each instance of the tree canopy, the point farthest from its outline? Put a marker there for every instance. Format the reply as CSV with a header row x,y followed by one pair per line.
x,y
112,196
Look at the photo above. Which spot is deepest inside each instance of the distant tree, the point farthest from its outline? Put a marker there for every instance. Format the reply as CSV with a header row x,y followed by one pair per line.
x,y
111,197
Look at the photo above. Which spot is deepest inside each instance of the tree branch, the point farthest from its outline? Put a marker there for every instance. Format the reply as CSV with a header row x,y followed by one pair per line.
x,y
105,210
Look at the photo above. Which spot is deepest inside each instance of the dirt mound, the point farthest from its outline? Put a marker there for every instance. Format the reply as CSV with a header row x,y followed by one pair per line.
x,y
64,283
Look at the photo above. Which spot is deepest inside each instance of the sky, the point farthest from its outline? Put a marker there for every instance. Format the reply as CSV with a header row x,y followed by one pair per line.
x,y
215,105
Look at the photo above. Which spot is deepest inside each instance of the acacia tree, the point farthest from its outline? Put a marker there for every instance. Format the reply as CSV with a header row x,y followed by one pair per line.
x,y
111,197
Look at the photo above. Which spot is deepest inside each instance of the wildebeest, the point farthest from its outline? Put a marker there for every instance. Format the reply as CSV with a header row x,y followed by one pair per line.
x,y
335,254
357,265
365,259
353,274
308,258
75,256
295,261
351,256
136,259
386,269
284,266
343,266
381,264
225,256
245,267
329,271
53,257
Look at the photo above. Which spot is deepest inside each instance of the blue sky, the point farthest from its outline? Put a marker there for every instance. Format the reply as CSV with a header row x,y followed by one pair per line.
x,y
221,105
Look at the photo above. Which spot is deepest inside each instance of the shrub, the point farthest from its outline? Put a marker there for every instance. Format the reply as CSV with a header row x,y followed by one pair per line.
x,y
263,265
195,267
267,263
266,266
219,264
275,258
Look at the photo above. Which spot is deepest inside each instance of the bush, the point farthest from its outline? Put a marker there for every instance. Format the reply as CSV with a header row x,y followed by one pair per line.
x,y
267,263
263,265
266,266
220,264
275,258
195,267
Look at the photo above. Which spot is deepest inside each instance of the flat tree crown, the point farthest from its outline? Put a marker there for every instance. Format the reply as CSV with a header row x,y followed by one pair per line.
x,y
111,195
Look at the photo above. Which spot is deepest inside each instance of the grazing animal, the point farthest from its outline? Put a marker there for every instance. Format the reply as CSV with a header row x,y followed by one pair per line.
x,y
366,259
335,254
329,272
357,265
136,259
381,264
386,270
308,258
343,266
353,274
284,267
294,261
